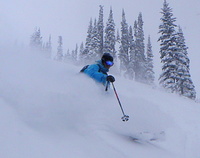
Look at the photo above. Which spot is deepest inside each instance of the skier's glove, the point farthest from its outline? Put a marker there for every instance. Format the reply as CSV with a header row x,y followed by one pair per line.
x,y
110,78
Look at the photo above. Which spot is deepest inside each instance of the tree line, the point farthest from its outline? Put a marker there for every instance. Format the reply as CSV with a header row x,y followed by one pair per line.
x,y
128,47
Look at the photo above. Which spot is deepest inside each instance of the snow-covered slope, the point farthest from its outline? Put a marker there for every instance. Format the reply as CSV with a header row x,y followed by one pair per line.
x,y
48,109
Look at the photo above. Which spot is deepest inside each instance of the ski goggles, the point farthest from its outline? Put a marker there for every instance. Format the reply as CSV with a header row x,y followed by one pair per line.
x,y
109,63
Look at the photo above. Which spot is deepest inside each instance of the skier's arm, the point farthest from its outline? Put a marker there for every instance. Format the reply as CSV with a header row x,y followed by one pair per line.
x,y
93,72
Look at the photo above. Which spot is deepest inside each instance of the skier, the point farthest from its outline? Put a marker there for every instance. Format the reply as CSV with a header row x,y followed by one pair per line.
x,y
98,71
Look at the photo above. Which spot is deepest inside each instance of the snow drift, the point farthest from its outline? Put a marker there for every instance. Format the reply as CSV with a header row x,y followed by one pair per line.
x,y
50,110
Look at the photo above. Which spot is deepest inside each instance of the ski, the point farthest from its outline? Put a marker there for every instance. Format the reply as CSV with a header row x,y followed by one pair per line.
x,y
147,137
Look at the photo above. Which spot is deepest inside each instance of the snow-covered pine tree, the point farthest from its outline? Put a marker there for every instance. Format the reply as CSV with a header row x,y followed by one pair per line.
x,y
184,85
100,27
36,40
149,74
140,60
94,42
117,43
59,55
124,46
75,55
88,51
168,48
48,48
131,66
109,43
81,55
136,52
67,57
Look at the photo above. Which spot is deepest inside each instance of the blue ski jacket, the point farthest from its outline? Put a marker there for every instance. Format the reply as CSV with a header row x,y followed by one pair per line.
x,y
97,71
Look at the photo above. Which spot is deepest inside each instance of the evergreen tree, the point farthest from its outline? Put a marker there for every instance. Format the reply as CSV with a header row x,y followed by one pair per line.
x,y
100,27
88,51
36,40
175,76
67,57
109,44
59,56
131,66
81,55
136,50
74,55
95,42
168,48
124,46
184,84
149,74
140,60
48,48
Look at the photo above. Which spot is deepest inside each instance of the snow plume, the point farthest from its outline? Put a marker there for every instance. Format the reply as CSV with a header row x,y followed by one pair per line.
x,y
44,91
48,109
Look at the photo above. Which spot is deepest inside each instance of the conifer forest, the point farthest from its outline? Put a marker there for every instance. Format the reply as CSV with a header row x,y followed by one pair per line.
x,y
134,59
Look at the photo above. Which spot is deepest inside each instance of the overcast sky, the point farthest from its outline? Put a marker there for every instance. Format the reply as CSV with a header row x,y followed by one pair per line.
x,y
70,18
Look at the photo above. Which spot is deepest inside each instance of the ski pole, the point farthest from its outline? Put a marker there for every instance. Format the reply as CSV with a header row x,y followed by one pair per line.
x,y
124,117
107,83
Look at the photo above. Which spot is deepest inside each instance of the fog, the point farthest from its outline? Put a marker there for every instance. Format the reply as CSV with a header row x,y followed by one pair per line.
x,y
70,19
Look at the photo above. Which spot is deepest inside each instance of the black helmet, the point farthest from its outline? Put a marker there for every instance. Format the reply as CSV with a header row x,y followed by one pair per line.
x,y
106,57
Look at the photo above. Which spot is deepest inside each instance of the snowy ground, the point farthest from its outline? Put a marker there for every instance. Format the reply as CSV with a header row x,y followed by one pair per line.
x,y
49,110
